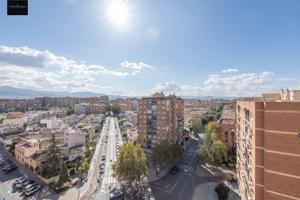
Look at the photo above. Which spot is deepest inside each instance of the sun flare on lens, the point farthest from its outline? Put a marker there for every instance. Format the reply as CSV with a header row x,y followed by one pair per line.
x,y
118,13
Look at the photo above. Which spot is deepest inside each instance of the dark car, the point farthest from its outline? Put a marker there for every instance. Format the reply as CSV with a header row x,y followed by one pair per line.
x,y
28,182
10,169
174,170
115,193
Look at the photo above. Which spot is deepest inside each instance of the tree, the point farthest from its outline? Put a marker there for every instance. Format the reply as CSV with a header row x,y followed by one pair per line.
x,y
213,150
113,107
84,165
166,153
176,150
222,191
131,168
116,108
70,111
197,126
64,176
12,148
51,166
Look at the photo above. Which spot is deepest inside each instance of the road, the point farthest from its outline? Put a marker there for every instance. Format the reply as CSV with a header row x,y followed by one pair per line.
x,y
191,182
110,151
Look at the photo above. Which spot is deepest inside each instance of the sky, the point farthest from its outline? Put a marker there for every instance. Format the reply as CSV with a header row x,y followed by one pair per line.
x,y
137,47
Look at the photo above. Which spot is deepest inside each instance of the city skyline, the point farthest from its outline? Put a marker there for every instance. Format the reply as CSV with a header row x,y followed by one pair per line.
x,y
192,48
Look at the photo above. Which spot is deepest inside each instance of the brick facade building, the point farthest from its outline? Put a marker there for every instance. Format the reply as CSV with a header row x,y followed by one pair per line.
x,y
268,150
160,117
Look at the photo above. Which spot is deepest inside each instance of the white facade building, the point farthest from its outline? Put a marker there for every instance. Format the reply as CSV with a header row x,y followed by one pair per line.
x,y
51,123
82,108
73,138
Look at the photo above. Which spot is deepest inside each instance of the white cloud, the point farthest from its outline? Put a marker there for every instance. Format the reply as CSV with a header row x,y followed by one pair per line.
x,y
230,70
42,70
152,33
172,87
136,67
246,84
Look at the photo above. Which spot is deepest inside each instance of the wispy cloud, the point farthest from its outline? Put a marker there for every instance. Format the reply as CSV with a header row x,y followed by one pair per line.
x,y
25,67
245,84
230,70
136,67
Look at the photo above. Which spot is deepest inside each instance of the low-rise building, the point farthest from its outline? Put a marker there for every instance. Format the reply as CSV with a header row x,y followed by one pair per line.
x,y
74,137
50,123
228,134
23,152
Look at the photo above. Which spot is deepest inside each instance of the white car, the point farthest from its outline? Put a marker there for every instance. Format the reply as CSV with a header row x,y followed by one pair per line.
x,y
32,190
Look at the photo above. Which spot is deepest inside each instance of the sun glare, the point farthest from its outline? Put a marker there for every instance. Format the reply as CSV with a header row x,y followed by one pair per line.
x,y
118,13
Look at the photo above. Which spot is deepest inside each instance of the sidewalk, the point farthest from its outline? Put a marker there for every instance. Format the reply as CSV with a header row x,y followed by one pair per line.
x,y
152,173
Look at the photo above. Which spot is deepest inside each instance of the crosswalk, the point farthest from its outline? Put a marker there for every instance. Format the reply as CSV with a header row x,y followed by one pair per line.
x,y
186,168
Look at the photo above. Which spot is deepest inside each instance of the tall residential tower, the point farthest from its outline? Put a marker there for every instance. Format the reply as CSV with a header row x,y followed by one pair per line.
x,y
268,147
160,117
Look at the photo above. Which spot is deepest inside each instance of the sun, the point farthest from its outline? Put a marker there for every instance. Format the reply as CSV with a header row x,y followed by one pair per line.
x,y
118,13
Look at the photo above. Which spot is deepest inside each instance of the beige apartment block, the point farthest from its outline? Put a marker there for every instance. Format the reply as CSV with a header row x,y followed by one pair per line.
x,y
160,117
268,147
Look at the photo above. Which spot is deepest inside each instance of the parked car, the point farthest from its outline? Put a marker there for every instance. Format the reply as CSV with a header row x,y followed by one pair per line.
x,y
28,182
20,178
32,190
10,169
29,187
174,170
115,193
19,183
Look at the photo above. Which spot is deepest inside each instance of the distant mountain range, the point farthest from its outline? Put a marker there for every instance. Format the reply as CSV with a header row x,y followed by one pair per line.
x,y
19,93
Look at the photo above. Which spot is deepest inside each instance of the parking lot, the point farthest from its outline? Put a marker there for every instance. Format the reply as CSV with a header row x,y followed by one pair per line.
x,y
27,188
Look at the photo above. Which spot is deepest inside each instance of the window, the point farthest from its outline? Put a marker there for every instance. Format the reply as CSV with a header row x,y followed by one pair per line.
x,y
226,136
232,136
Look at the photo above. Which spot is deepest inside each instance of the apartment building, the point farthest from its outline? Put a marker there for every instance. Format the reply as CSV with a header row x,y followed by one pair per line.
x,y
160,117
97,109
82,108
268,147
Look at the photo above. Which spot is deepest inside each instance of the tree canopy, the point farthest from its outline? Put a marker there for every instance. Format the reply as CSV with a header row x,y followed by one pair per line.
x,y
131,167
113,107
64,176
222,191
51,166
70,111
197,126
213,150
166,153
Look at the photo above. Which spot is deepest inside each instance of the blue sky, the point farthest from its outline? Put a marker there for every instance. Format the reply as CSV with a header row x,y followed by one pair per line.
x,y
187,47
